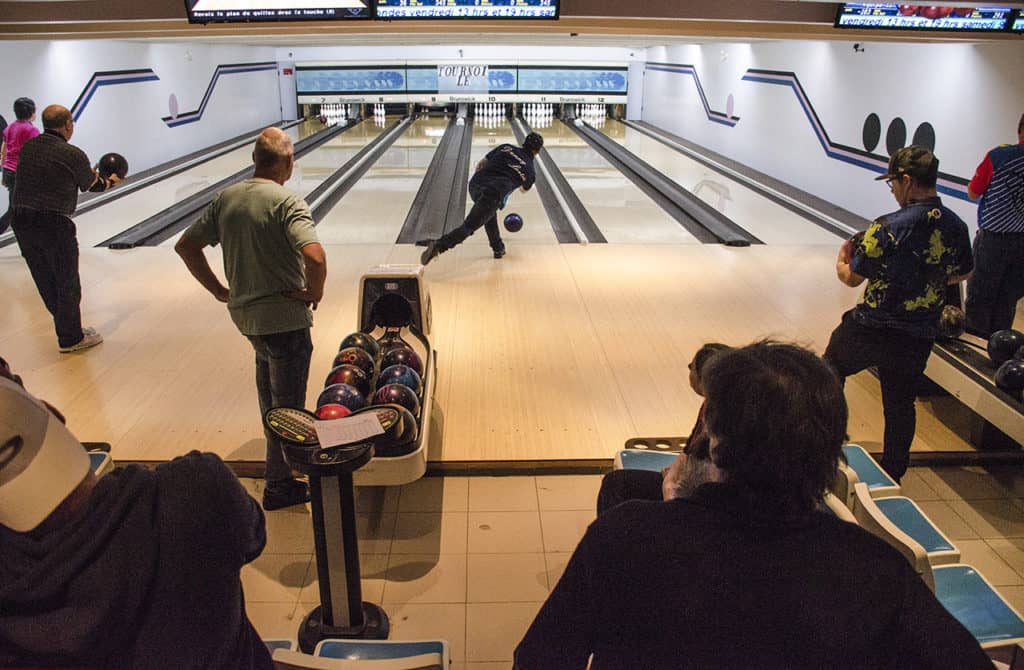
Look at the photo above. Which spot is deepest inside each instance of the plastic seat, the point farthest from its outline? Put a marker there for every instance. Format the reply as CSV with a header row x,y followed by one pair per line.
x,y
274,645
644,459
960,588
909,518
100,463
368,655
837,508
870,472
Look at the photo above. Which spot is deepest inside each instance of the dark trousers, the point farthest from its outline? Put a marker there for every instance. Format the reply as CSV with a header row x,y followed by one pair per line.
x,y
997,283
50,248
484,213
900,360
8,182
282,370
618,486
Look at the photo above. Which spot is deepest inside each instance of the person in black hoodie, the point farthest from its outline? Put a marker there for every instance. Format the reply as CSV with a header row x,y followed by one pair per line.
x,y
136,569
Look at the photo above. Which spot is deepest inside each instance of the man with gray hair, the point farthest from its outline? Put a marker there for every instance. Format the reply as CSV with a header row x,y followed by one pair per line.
x,y
275,269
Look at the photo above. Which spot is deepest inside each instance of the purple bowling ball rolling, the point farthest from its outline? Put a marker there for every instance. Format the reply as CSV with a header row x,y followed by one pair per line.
x,y
400,374
342,394
397,394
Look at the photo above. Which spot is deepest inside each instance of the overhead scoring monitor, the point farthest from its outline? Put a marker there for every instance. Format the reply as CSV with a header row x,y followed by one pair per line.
x,y
467,9
890,15
244,11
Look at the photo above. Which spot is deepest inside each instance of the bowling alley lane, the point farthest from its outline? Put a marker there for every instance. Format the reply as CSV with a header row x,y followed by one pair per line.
x,y
488,133
766,220
622,212
374,209
110,219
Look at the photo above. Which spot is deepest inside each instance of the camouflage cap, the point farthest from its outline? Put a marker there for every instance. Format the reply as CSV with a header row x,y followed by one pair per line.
x,y
915,160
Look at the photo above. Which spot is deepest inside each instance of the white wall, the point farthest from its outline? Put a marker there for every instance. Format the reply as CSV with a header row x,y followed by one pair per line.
x,y
487,53
126,118
971,94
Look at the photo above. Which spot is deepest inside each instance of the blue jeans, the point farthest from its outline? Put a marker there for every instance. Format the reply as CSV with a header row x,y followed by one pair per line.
x,y
282,370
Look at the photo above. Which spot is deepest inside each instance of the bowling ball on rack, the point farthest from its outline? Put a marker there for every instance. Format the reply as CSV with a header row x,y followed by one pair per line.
x,y
513,222
952,322
400,374
391,339
363,341
112,164
351,375
357,357
332,411
402,356
341,394
1010,376
397,394
1003,344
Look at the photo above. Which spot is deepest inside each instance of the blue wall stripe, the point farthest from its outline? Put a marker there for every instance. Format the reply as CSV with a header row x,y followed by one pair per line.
x,y
111,78
197,114
717,117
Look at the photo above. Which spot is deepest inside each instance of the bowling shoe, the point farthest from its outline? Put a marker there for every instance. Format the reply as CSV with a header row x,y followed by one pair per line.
x,y
430,252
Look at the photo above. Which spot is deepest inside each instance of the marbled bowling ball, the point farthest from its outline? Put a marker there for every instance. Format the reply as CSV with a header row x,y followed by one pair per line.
x,y
1003,344
351,375
332,411
402,356
397,394
357,357
400,374
362,341
391,339
513,223
342,394
952,322
1010,376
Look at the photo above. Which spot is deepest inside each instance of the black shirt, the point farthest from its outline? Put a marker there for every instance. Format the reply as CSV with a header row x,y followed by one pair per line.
x,y
508,167
50,174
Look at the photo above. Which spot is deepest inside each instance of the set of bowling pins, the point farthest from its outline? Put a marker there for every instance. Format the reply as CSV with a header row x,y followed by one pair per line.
x,y
590,112
334,112
489,109
379,114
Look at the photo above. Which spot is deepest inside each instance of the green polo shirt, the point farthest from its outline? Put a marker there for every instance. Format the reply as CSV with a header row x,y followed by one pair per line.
x,y
261,227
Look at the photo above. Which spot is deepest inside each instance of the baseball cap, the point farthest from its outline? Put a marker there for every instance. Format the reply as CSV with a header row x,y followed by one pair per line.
x,y
915,160
41,462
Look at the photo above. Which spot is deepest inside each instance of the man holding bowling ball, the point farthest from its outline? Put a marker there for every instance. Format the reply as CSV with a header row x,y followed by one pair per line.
x,y
50,174
497,175
908,258
276,269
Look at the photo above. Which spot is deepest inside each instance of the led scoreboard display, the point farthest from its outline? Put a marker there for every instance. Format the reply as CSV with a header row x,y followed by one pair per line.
x,y
244,11
888,15
467,9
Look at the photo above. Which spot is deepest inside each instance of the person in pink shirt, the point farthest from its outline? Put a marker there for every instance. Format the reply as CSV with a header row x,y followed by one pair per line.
x,y
15,135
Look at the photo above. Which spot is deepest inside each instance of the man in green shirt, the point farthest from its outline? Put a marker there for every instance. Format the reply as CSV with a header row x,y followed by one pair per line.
x,y
275,268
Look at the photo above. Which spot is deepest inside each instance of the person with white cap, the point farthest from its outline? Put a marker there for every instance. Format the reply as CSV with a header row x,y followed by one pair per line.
x,y
135,569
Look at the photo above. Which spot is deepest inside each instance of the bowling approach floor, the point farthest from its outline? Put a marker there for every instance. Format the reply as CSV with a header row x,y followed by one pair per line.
x,y
558,352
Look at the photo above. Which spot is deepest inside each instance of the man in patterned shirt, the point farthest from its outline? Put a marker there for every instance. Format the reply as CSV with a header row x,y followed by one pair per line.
x,y
908,258
998,282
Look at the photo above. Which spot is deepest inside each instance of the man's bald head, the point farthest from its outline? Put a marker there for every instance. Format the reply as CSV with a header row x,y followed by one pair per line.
x,y
56,117
273,150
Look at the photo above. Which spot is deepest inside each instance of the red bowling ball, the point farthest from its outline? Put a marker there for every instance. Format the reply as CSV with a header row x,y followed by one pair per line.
x,y
332,411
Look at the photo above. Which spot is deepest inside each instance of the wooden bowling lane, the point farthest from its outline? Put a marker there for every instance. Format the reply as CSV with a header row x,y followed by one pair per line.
x,y
374,209
622,212
110,219
766,220
536,227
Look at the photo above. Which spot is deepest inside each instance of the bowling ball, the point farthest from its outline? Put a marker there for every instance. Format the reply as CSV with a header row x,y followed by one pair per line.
x,y
363,341
935,12
341,394
963,11
1010,375
332,411
402,356
1020,354
391,339
400,374
351,375
1004,344
357,357
397,394
952,322
513,222
112,164
323,119
909,10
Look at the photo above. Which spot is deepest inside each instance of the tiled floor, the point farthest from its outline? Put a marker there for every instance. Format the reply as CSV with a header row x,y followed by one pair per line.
x,y
470,559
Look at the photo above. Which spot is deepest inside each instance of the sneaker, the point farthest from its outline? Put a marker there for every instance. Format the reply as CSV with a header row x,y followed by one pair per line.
x,y
285,494
90,338
498,253
430,252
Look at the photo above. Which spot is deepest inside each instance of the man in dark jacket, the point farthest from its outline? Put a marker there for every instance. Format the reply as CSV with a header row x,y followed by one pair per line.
x,y
745,572
136,569
499,173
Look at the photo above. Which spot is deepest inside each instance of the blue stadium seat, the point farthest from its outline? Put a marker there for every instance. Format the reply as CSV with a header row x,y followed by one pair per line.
x,y
368,655
870,472
644,459
100,463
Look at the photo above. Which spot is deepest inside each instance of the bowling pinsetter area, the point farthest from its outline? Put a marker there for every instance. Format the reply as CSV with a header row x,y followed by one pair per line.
x,y
527,218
